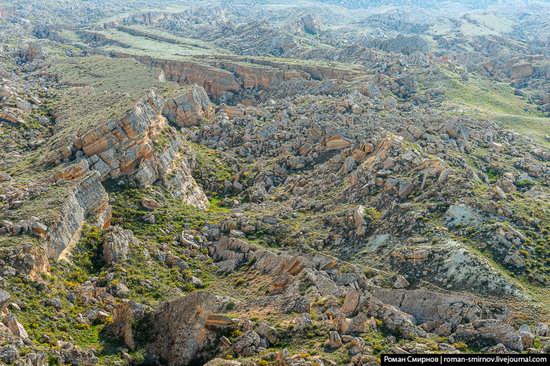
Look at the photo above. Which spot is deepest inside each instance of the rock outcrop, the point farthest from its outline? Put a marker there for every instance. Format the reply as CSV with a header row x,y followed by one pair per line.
x,y
4,298
349,207
310,24
189,109
116,244
408,313
86,197
438,313
140,147
219,76
183,330
144,148
486,333
126,147
522,70
125,318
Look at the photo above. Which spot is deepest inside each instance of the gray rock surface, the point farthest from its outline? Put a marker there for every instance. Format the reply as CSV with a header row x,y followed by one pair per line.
x,y
180,329
116,244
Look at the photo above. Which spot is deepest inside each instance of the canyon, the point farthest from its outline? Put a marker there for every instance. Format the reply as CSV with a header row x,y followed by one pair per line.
x,y
262,183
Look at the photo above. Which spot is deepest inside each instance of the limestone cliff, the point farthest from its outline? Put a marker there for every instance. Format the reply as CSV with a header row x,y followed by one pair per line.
x,y
141,147
219,75
86,198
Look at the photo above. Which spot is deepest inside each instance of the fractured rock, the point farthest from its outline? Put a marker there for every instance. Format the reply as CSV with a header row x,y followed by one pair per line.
x,y
15,327
334,340
178,332
484,333
526,336
336,143
400,282
246,344
190,108
125,315
116,244
351,302
8,354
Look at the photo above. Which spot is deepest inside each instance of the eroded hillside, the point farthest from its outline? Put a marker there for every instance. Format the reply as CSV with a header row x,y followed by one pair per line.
x,y
257,183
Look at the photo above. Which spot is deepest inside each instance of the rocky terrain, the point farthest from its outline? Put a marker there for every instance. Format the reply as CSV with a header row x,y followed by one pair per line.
x,y
264,183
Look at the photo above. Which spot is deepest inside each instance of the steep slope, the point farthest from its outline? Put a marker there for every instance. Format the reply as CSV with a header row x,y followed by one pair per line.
x,y
173,194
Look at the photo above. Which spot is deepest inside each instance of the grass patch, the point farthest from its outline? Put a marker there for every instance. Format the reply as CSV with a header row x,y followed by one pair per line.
x,y
98,89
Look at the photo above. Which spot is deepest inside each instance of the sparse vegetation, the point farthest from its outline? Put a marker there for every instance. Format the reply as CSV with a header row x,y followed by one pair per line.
x,y
313,183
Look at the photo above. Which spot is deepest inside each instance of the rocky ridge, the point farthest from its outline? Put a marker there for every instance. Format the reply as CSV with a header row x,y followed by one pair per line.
x,y
287,211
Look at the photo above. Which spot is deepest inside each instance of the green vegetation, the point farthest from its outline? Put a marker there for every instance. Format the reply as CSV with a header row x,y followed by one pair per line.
x,y
486,99
211,171
163,46
92,90
157,280
484,96
310,201
171,219
489,99
52,311
481,24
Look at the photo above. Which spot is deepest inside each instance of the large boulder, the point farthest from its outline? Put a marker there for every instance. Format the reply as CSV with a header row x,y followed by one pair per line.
x,y
461,215
189,108
15,327
28,260
116,245
433,309
4,299
394,320
8,354
336,143
522,70
310,24
125,315
247,344
183,331
490,332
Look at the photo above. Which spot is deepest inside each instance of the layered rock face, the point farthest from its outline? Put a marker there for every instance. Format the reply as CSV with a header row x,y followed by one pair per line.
x,y
86,198
221,75
362,199
180,329
184,331
144,148
214,80
126,149
315,71
189,109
